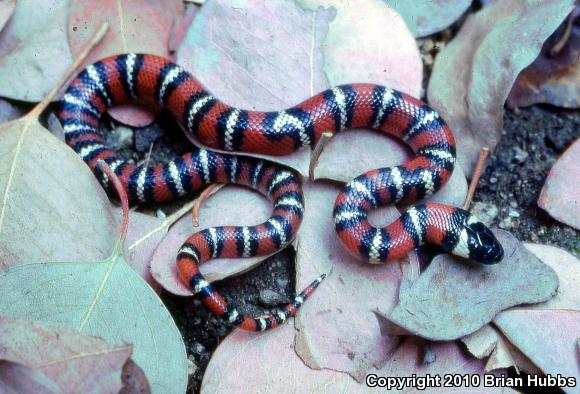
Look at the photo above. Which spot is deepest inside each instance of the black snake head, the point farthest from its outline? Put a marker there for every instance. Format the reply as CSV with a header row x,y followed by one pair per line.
x,y
475,241
482,245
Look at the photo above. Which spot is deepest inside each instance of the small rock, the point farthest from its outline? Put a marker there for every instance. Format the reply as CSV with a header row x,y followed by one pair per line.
x,y
270,298
147,136
198,348
505,223
514,214
122,137
493,180
282,283
191,367
429,355
486,212
520,155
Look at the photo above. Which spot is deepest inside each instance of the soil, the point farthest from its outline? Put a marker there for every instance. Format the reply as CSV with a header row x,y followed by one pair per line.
x,y
532,139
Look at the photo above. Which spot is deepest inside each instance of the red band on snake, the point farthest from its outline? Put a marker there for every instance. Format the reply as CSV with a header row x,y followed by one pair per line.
x,y
153,80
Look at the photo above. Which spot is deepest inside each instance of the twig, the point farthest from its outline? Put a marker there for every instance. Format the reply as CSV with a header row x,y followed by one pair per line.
x,y
320,145
476,175
211,189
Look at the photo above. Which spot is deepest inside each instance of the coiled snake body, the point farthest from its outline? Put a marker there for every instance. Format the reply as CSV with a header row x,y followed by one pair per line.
x,y
156,81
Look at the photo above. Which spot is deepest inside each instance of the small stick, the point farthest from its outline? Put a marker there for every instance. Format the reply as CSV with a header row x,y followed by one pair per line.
x,y
316,152
211,189
476,175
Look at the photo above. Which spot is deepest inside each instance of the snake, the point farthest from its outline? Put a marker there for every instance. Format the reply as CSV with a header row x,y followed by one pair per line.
x,y
155,81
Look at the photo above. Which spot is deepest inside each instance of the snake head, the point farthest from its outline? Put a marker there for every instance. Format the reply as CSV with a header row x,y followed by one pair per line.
x,y
477,242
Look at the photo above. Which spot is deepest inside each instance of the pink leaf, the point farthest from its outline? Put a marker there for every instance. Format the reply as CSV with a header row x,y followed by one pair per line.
x,y
547,333
135,26
144,234
217,210
338,328
267,362
65,357
474,73
34,52
559,196
273,55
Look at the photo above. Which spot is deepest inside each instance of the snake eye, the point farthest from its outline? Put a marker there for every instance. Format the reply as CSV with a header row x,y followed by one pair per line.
x,y
482,244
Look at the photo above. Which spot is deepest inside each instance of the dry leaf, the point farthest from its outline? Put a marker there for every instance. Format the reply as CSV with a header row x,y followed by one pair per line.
x,y
70,360
560,197
552,78
137,26
217,210
425,17
266,371
547,333
34,52
454,297
337,327
473,75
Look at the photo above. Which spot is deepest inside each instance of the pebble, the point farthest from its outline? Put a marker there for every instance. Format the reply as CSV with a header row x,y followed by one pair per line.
x,y
520,155
514,214
505,223
147,136
198,348
270,298
485,211
122,137
282,283
191,367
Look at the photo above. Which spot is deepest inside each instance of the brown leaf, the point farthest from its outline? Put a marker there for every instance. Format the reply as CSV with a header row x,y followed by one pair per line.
x,y
474,73
138,26
489,342
560,197
552,78
134,379
63,355
454,297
